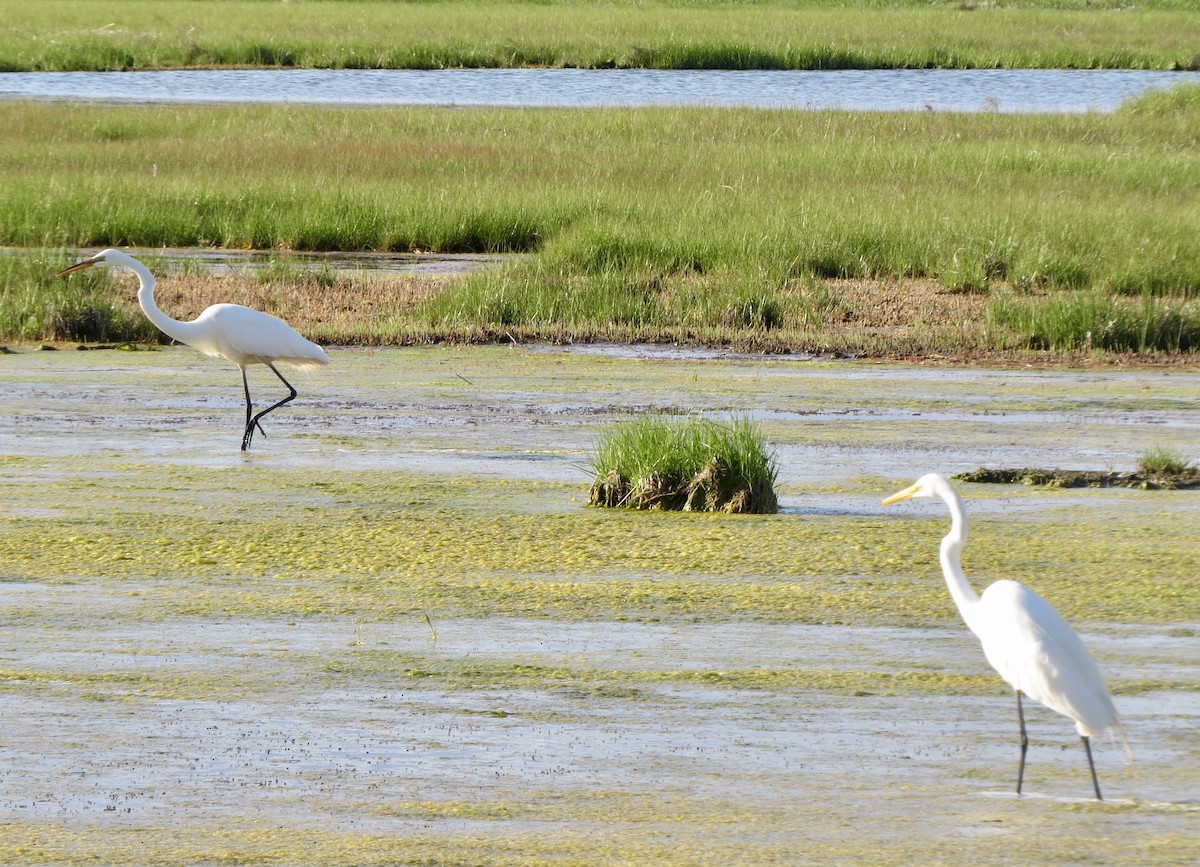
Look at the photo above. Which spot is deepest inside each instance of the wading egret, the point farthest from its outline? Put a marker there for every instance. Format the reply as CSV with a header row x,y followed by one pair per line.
x,y
238,334
1023,637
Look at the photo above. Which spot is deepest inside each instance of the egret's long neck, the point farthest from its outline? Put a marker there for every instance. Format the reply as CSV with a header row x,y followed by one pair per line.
x,y
184,332
964,595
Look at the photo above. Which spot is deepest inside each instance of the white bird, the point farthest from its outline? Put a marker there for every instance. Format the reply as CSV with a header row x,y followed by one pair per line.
x,y
238,334
1023,637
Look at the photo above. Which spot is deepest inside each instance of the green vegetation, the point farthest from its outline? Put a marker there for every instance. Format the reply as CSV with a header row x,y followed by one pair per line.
x,y
1162,462
35,306
672,34
693,464
1068,233
1093,320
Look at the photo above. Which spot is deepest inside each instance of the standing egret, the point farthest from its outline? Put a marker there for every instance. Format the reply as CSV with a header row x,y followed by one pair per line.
x,y
1023,637
230,331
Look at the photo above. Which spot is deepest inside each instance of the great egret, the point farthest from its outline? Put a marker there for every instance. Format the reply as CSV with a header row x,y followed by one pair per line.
x,y
1023,637
230,331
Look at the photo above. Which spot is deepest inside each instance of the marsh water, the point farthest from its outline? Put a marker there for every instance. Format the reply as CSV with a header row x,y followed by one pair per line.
x,y
1018,90
150,709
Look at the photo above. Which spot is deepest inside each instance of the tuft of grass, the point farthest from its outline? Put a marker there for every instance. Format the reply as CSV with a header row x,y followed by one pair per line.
x,y
1161,461
694,464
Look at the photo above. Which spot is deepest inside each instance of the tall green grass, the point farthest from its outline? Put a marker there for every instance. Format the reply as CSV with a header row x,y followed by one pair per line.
x,y
1088,320
646,195
670,34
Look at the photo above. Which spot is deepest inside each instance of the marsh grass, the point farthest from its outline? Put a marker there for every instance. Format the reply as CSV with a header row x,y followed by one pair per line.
x,y
712,225
673,34
690,464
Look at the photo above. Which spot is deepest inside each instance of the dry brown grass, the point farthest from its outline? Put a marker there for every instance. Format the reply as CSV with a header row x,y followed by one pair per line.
x,y
892,304
313,301
907,319
346,310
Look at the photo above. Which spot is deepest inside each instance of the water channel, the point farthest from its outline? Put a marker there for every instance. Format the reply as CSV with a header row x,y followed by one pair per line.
x,y
970,90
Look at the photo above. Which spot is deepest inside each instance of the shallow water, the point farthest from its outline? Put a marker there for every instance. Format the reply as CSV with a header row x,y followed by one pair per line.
x,y
599,739
533,412
224,261
969,90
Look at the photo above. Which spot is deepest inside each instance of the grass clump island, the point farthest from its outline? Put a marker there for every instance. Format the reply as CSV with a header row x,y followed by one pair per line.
x,y
690,464
1159,468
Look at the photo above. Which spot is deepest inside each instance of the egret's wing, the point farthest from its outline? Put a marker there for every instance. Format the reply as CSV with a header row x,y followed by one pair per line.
x,y
1037,652
248,336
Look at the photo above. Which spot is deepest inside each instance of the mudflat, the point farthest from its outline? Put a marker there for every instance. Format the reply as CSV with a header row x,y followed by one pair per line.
x,y
393,632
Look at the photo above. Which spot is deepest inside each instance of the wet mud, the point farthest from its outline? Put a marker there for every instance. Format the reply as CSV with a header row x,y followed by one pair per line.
x,y
394,632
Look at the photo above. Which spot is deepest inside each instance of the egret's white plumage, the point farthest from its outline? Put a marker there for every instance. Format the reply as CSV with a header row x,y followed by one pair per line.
x,y
1023,637
240,334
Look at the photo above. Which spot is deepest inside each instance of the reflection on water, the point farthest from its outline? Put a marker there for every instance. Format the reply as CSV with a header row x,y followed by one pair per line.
x,y
971,90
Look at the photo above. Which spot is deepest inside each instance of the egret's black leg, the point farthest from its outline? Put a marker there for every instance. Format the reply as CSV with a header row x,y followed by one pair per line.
x,y
1024,743
252,423
1087,746
249,429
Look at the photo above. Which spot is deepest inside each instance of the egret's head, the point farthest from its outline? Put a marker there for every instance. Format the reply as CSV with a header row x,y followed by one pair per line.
x,y
104,257
929,485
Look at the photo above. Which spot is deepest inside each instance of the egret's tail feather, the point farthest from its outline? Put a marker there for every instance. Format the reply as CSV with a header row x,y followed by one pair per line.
x,y
304,362
1119,731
